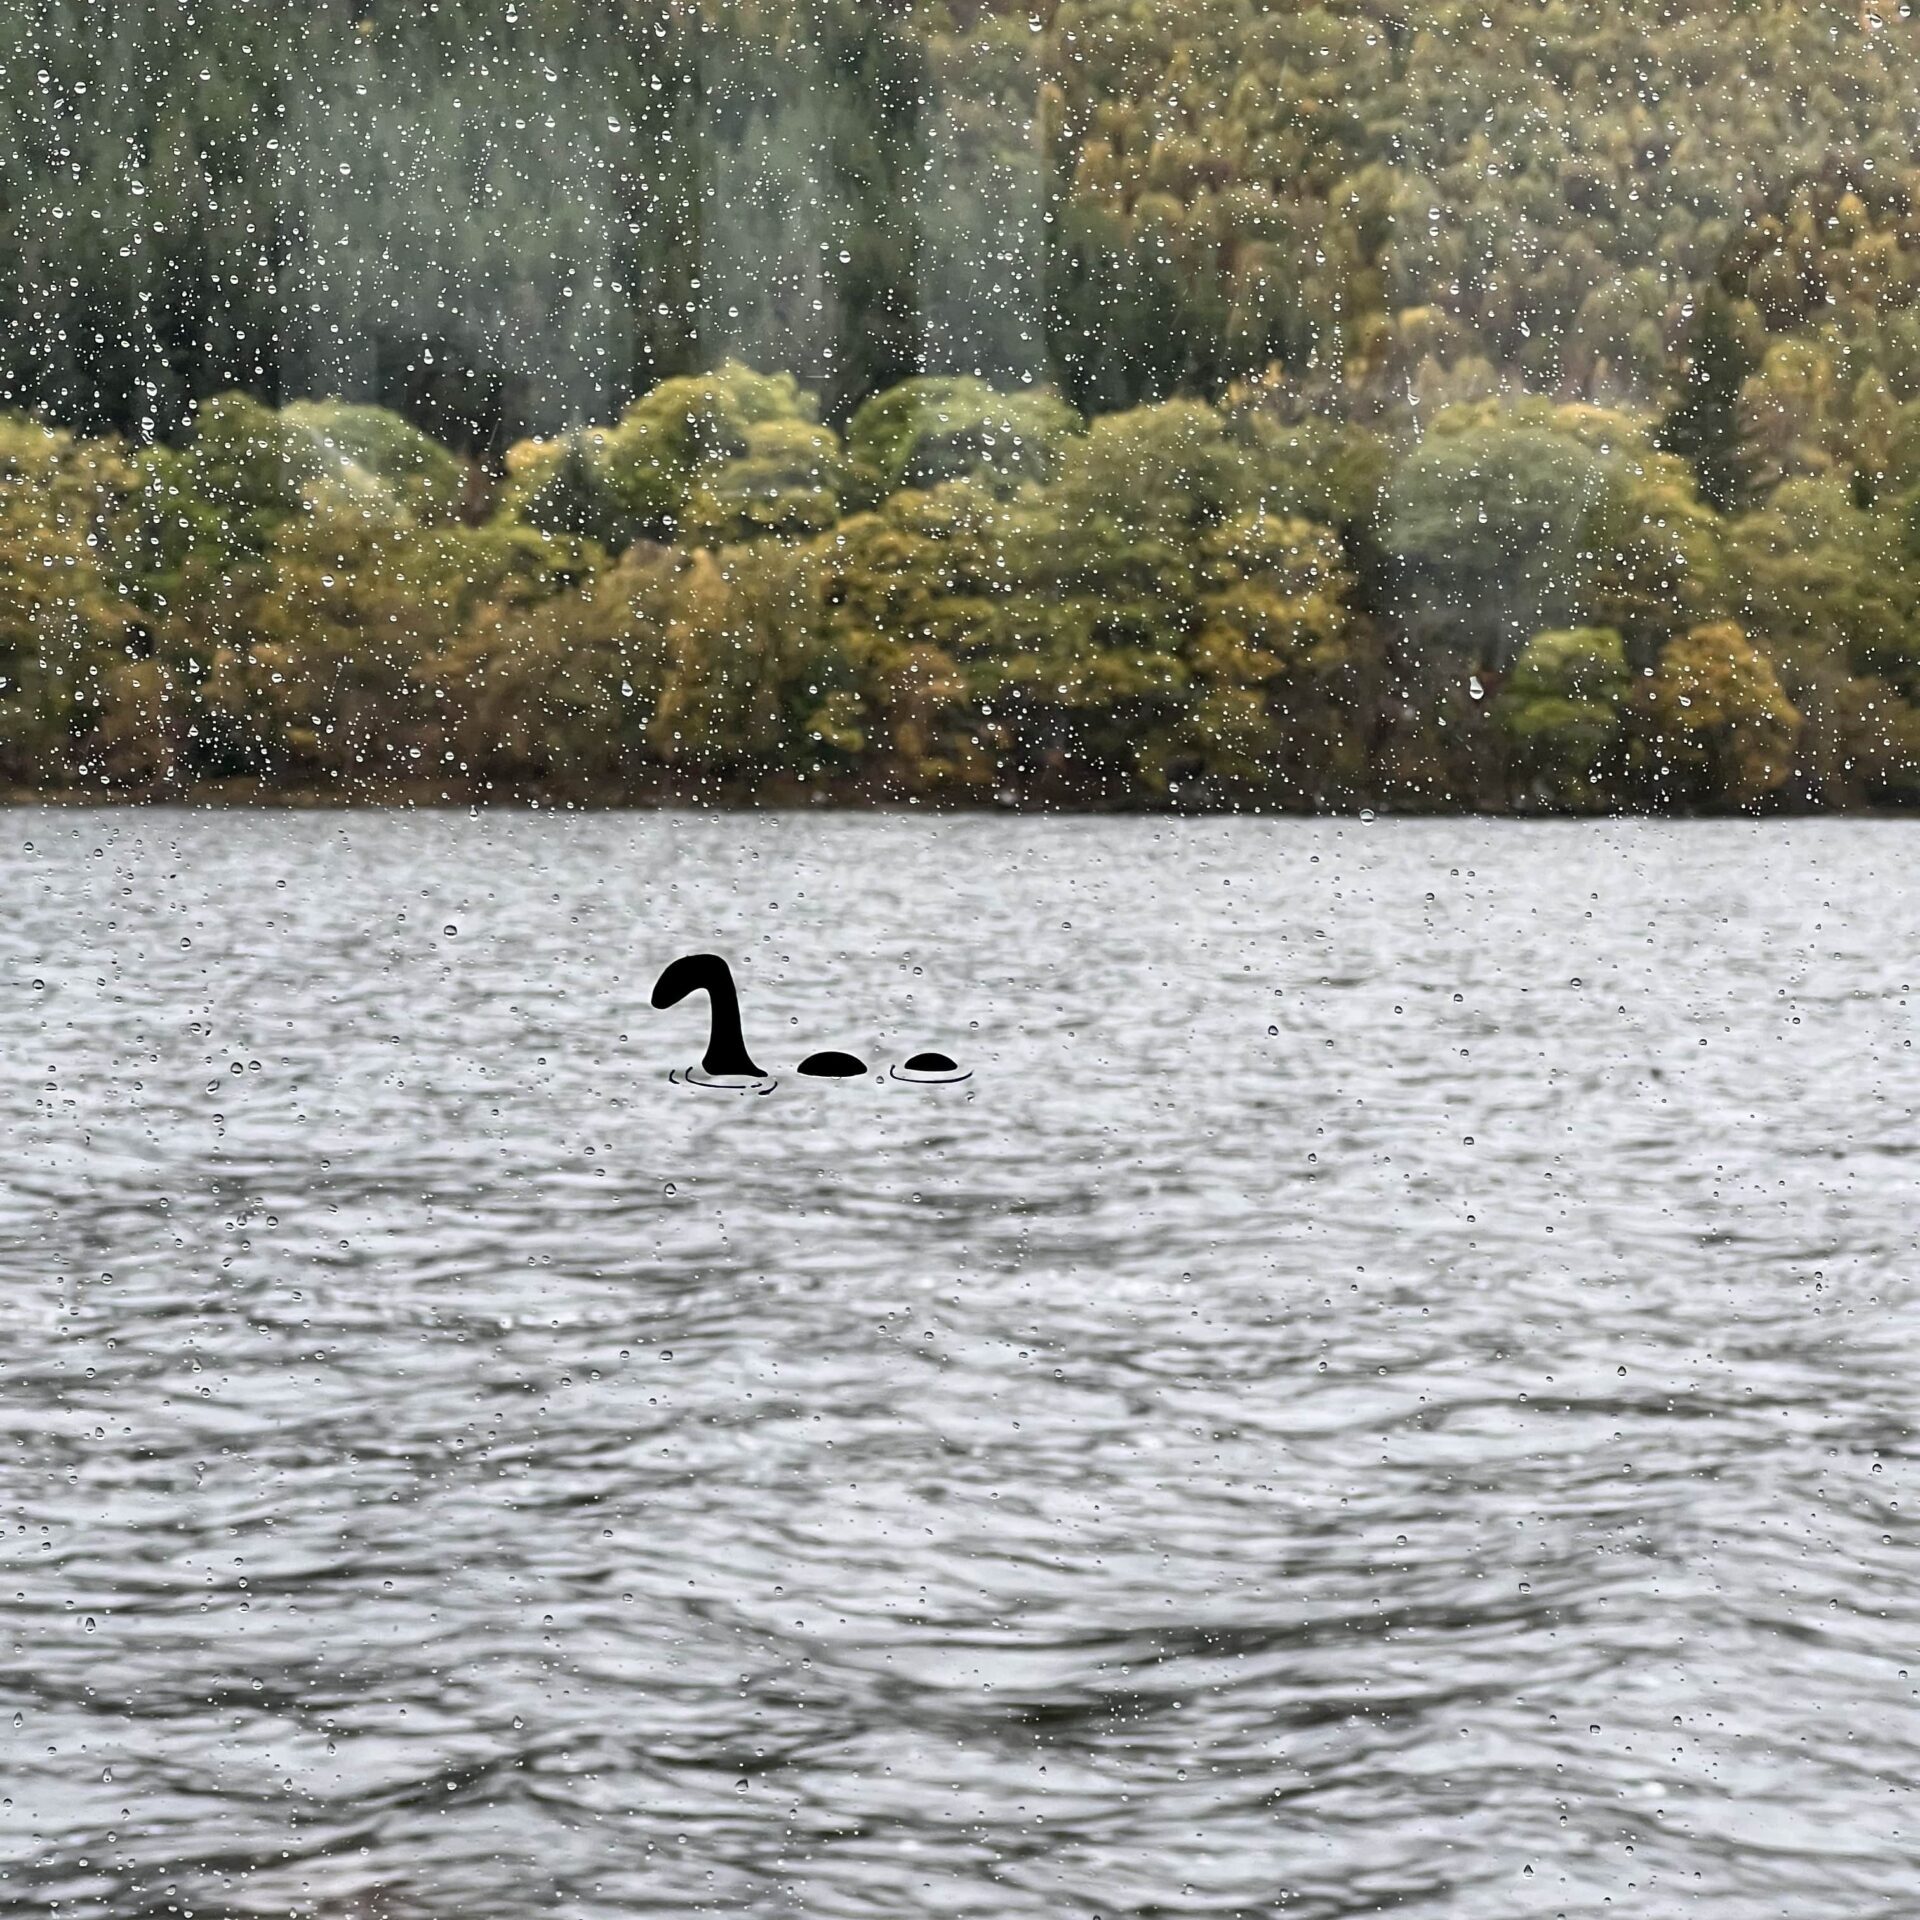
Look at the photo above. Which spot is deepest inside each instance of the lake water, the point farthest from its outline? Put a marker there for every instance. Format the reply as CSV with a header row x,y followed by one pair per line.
x,y
1391,1388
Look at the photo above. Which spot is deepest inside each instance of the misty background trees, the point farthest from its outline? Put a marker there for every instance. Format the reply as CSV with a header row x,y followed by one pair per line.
x,y
1503,405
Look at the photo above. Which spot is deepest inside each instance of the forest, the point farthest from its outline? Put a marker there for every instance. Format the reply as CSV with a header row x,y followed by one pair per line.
x,y
1099,402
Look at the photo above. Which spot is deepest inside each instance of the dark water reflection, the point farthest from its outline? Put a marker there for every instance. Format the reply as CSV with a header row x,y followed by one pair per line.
x,y
1391,1389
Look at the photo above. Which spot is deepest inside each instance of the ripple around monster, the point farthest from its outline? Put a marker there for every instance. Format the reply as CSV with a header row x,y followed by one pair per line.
x,y
727,1065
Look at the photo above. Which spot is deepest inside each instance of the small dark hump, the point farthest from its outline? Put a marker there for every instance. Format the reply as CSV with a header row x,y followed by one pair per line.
x,y
932,1063
832,1066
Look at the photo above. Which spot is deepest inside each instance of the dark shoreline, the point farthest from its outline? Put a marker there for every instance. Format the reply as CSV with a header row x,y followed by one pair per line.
x,y
303,800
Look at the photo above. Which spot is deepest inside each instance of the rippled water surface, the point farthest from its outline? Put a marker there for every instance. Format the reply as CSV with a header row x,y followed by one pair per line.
x,y
1390,1390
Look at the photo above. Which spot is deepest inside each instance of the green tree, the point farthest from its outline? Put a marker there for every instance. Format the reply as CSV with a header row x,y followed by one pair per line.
x,y
1492,522
66,619
708,455
925,431
1562,711
1703,425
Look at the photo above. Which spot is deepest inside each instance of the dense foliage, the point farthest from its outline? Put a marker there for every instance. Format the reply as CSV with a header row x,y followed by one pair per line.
x,y
968,594
1229,402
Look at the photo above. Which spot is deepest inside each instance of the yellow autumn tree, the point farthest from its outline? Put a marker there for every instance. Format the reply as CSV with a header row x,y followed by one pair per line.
x,y
65,620
1723,729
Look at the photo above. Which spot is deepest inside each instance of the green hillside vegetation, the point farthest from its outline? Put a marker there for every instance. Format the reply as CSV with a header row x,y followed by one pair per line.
x,y
968,596
1098,401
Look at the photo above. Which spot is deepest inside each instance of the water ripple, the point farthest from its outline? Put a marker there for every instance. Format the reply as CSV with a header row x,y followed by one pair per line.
x,y
1389,1389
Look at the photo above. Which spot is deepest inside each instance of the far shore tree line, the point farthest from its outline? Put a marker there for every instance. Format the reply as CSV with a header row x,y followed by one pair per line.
x,y
1512,404
968,595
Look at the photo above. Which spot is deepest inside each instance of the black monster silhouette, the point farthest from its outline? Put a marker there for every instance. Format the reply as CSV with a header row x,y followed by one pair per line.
x,y
833,1065
707,973
727,1058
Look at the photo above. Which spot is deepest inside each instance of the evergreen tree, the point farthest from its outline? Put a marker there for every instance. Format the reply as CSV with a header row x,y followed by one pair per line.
x,y
1703,425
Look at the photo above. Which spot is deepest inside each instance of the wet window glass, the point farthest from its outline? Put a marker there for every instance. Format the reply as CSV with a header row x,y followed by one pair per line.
x,y
957,958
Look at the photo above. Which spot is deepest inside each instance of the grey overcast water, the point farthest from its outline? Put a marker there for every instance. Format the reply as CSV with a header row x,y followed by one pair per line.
x,y
1390,1390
